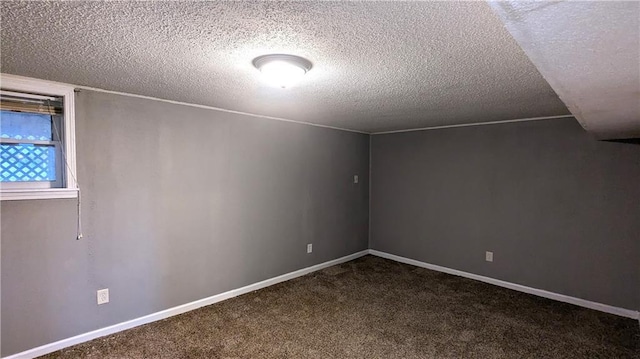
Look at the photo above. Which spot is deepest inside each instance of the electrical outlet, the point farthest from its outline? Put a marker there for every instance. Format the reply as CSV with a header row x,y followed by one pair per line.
x,y
103,296
309,248
488,256
355,179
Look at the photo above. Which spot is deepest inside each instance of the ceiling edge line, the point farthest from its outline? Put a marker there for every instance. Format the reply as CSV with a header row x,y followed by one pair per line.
x,y
2,74
217,109
474,124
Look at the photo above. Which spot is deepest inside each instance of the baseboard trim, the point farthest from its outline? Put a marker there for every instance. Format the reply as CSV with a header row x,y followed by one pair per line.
x,y
78,339
521,288
64,343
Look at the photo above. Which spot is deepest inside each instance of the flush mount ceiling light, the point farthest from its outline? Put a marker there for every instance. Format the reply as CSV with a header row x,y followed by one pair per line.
x,y
282,70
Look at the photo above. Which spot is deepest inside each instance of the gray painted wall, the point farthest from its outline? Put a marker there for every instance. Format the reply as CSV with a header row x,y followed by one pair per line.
x,y
560,210
179,203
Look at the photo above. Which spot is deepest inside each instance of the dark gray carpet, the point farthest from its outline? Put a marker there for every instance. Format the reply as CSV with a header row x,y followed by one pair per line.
x,y
376,308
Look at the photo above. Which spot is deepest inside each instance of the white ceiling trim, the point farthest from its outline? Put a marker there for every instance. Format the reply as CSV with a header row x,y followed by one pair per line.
x,y
216,109
318,125
178,103
284,119
475,124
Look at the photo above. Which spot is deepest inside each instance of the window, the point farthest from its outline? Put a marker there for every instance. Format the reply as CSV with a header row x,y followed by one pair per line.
x,y
37,147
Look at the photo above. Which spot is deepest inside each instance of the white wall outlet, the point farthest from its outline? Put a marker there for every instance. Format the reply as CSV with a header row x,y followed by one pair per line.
x,y
488,256
355,179
103,296
309,248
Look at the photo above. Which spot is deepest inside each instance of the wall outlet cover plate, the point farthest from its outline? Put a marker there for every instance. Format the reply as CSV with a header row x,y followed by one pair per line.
x,y
103,296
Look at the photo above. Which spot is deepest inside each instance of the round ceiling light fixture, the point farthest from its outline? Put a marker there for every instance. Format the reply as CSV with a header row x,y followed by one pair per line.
x,y
282,70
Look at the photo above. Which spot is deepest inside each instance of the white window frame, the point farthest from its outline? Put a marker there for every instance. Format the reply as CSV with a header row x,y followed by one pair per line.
x,y
69,187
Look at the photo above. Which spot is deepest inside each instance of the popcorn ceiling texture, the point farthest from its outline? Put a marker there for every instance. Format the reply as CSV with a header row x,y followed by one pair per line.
x,y
589,51
378,66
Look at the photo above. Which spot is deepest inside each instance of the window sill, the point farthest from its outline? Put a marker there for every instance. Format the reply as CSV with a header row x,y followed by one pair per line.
x,y
49,193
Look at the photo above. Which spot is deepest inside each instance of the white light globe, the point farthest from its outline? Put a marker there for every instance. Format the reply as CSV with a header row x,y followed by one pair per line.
x,y
282,70
281,73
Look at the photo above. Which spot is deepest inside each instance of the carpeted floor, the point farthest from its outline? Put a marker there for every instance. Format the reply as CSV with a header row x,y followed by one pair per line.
x,y
376,308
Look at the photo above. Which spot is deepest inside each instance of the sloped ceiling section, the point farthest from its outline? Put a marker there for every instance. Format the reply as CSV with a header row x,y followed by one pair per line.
x,y
589,52
378,66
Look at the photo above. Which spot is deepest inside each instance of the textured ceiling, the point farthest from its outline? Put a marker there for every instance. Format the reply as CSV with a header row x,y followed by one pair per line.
x,y
590,53
378,66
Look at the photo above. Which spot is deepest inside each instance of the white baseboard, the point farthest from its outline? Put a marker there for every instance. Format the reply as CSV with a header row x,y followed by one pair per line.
x,y
64,343
521,288
61,344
